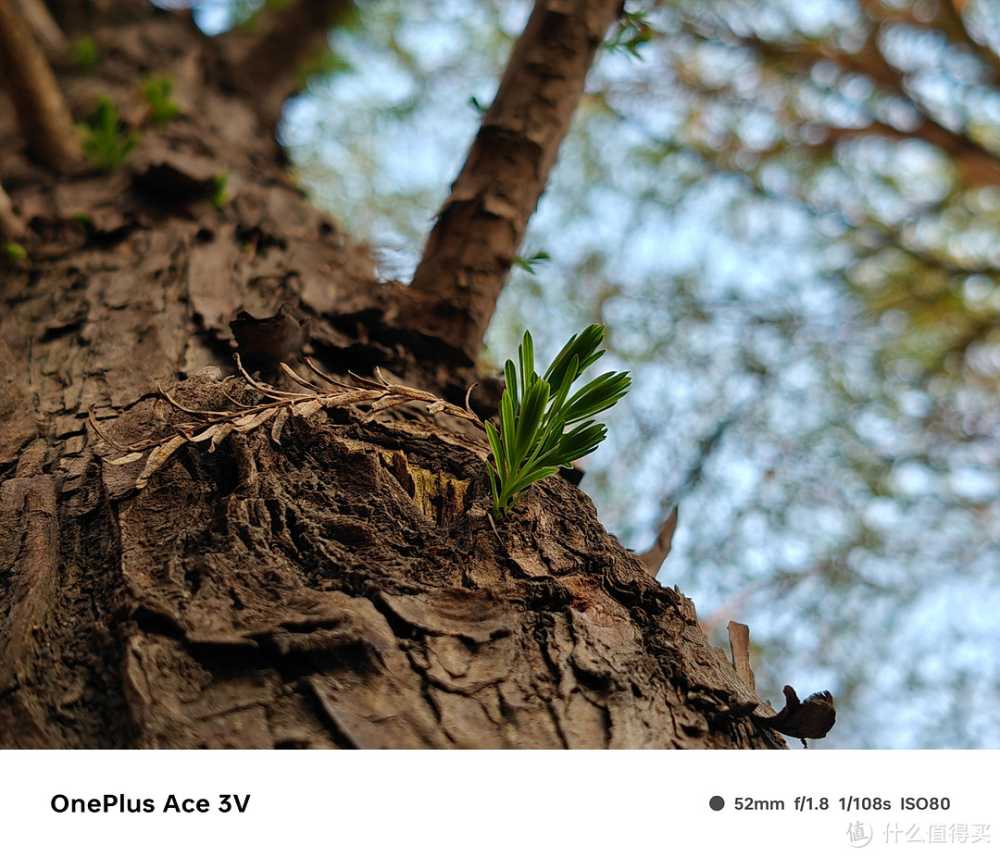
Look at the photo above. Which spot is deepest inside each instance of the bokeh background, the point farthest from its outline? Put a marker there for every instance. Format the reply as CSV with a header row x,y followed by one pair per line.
x,y
788,216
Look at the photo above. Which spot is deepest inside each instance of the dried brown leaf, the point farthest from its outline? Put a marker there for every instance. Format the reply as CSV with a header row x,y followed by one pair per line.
x,y
125,459
279,424
812,718
224,431
251,421
210,432
307,408
158,457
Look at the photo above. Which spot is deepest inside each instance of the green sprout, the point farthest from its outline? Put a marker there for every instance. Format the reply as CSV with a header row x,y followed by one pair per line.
x,y
162,108
14,252
105,143
220,190
84,53
535,437
632,33
321,64
529,263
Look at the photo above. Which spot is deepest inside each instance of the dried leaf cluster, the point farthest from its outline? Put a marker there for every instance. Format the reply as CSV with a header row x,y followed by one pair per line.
x,y
213,426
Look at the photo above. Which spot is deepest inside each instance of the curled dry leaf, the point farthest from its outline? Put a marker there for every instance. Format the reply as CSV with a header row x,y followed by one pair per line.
x,y
220,434
306,409
251,421
812,718
205,435
125,459
158,457
278,425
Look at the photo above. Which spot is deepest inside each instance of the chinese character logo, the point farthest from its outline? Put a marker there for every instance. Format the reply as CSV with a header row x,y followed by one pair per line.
x,y
859,834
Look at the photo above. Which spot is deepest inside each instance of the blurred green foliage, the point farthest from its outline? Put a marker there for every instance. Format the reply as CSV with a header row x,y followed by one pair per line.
x,y
14,252
85,53
220,190
157,91
106,141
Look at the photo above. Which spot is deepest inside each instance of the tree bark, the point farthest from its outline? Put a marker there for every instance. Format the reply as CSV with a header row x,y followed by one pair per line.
x,y
337,586
45,30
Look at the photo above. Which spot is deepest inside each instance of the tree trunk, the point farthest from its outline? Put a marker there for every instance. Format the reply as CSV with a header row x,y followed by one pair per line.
x,y
340,587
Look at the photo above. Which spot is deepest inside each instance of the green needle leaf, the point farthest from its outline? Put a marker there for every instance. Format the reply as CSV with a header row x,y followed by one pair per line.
x,y
526,356
510,374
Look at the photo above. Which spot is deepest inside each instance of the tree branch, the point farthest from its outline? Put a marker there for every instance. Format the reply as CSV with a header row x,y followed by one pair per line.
x,y
36,15
268,59
479,228
978,165
953,21
11,226
41,111
948,17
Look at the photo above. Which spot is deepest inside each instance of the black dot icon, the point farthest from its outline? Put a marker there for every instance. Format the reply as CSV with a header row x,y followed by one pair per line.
x,y
716,803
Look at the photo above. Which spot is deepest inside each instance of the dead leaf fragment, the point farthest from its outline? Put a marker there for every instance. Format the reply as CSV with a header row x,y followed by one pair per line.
x,y
126,459
813,718
158,457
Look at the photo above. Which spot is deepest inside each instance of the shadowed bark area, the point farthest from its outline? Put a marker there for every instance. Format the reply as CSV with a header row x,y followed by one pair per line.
x,y
479,228
341,588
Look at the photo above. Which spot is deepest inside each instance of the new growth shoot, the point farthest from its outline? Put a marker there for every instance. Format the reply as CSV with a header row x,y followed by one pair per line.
x,y
542,426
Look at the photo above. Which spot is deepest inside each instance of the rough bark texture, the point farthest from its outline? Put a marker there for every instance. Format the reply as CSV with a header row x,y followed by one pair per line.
x,y
341,589
480,226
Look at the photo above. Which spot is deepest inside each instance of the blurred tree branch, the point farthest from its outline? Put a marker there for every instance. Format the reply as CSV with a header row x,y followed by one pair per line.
x,y
42,113
269,57
978,164
946,16
51,39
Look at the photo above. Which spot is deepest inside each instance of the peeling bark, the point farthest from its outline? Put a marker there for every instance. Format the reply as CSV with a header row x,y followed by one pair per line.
x,y
653,558
341,588
479,228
